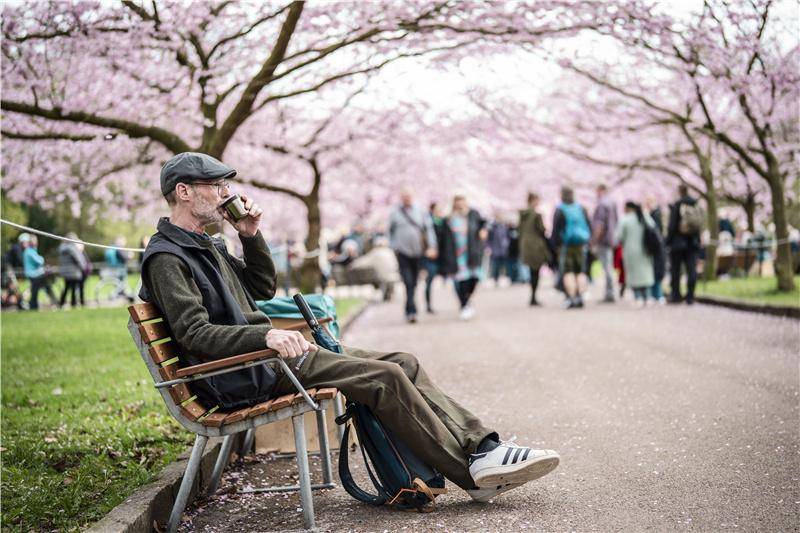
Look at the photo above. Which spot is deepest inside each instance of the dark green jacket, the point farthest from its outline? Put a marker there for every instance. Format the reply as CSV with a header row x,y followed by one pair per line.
x,y
206,297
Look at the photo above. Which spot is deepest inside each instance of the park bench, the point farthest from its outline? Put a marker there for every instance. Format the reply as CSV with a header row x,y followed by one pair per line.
x,y
160,353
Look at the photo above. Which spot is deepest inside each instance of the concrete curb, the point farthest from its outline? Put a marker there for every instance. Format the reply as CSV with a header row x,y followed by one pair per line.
x,y
153,502
764,309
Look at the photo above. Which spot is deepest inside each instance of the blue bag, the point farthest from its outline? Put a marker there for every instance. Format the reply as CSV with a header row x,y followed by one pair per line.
x,y
576,229
321,305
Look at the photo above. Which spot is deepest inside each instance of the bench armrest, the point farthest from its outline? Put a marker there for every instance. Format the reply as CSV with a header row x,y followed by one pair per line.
x,y
234,360
227,362
234,363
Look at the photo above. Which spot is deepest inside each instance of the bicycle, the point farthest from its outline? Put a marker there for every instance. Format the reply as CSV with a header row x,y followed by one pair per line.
x,y
113,286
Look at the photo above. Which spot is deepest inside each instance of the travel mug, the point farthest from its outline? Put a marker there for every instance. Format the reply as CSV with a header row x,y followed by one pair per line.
x,y
235,207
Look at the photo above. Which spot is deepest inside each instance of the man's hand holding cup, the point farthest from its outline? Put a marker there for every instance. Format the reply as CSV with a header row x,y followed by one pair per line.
x,y
250,213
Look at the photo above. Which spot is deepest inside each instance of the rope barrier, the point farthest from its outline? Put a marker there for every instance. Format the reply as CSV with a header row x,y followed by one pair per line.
x,y
312,253
67,239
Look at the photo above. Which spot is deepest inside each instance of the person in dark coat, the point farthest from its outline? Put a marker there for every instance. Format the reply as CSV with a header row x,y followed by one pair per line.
x,y
660,258
533,242
71,266
683,243
431,264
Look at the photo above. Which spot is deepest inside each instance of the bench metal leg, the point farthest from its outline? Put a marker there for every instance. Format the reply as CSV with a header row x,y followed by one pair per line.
x,y
338,410
186,485
324,446
302,467
247,442
222,461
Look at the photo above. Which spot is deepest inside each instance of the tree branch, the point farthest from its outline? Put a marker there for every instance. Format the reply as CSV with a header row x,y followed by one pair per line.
x,y
244,108
47,136
276,188
168,139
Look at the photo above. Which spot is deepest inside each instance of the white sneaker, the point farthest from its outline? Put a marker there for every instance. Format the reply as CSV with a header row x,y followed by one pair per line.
x,y
509,463
484,495
466,313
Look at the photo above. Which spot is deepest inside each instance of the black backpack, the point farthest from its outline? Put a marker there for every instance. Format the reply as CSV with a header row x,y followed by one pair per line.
x,y
400,477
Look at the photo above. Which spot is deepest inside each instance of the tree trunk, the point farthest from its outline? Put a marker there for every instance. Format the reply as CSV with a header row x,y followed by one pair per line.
x,y
784,270
750,211
712,220
309,271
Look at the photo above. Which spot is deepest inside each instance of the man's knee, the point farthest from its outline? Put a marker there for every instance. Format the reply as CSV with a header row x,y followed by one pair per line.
x,y
408,362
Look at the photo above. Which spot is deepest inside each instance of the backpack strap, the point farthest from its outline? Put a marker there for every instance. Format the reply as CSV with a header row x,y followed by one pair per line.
x,y
346,477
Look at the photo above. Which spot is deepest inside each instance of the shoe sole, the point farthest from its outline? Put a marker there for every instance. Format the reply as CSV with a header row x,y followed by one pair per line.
x,y
507,474
487,499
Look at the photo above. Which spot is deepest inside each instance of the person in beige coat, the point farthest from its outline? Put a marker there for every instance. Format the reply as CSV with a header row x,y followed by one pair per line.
x,y
534,250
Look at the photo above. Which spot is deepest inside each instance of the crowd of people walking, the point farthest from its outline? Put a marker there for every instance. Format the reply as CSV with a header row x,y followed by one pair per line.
x,y
634,248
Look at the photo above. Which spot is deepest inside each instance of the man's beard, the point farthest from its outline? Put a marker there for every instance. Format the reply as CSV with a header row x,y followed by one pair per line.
x,y
206,213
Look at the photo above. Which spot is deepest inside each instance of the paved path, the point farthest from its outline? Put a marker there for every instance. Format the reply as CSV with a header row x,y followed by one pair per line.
x,y
670,418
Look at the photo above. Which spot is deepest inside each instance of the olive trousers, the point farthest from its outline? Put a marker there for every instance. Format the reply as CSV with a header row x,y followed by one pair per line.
x,y
399,392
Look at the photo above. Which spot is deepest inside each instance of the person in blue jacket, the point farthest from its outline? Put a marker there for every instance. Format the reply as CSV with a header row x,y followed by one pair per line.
x,y
35,271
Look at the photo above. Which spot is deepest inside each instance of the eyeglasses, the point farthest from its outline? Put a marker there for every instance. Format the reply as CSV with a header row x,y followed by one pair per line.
x,y
222,186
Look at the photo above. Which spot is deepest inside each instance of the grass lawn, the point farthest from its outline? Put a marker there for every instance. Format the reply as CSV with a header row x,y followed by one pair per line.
x,y
82,425
751,289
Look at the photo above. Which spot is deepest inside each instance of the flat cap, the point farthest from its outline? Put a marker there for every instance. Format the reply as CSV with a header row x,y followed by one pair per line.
x,y
192,166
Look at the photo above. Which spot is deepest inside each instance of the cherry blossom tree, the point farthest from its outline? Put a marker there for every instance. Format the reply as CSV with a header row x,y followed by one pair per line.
x,y
740,61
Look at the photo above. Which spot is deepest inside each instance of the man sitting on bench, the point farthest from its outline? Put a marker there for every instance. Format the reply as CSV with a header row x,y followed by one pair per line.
x,y
206,297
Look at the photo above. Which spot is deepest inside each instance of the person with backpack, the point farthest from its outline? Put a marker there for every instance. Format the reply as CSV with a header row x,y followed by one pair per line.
x,y
635,232
571,234
683,242
206,296
412,237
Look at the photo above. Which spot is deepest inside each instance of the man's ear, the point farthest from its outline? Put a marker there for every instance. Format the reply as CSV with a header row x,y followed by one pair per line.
x,y
182,191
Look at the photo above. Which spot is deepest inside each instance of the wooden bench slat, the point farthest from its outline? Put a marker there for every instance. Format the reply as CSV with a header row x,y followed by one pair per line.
x,y
153,332
193,410
168,372
235,416
225,363
298,398
281,402
180,393
326,393
144,311
163,352
260,409
214,419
